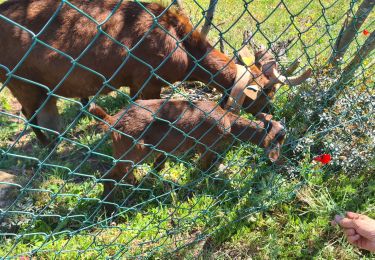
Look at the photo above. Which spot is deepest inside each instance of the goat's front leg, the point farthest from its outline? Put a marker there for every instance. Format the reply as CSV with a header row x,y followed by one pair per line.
x,y
121,171
205,162
32,99
48,116
160,162
42,138
151,91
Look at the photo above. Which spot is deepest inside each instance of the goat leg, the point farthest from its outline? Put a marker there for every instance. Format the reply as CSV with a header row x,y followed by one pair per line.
x,y
160,162
38,133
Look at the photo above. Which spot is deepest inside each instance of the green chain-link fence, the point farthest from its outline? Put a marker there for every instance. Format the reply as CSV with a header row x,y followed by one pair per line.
x,y
51,202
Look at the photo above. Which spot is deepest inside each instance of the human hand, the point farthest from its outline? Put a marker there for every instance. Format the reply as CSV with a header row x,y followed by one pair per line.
x,y
359,230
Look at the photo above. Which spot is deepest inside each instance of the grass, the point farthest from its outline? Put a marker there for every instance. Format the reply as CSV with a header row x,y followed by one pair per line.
x,y
247,208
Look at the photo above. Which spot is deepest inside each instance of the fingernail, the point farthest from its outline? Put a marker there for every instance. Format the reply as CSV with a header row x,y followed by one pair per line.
x,y
338,218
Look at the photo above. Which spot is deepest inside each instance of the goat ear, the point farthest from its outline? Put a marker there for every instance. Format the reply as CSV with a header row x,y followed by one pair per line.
x,y
247,56
252,91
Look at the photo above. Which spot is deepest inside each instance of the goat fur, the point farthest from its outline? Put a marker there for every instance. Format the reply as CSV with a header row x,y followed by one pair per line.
x,y
144,53
176,127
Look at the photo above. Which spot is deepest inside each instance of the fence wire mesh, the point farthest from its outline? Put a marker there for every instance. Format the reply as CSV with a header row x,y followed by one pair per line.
x,y
51,201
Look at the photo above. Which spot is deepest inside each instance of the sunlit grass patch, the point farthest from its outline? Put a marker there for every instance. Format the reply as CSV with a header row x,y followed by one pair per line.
x,y
245,206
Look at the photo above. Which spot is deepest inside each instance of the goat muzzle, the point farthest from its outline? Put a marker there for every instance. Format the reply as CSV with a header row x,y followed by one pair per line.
x,y
276,135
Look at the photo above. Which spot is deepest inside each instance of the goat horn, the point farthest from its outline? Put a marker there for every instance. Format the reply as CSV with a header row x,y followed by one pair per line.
x,y
292,67
291,81
237,95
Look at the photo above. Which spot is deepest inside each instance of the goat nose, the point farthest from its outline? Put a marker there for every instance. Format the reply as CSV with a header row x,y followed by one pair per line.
x,y
281,131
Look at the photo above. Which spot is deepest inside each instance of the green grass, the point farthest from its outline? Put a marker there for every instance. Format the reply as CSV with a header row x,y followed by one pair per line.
x,y
247,208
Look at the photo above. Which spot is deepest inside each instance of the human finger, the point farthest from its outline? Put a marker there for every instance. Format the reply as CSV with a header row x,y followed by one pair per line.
x,y
350,231
353,215
353,239
344,222
337,218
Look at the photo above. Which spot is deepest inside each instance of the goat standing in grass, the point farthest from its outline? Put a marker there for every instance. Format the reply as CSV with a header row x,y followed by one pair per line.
x,y
151,128
50,49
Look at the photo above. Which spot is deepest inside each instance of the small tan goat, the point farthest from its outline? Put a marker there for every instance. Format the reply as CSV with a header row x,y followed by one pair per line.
x,y
150,128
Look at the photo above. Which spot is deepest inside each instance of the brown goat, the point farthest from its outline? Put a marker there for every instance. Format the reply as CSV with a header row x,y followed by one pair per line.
x,y
62,52
150,128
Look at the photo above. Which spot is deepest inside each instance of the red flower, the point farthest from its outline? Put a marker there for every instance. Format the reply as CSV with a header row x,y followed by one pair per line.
x,y
324,158
366,32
